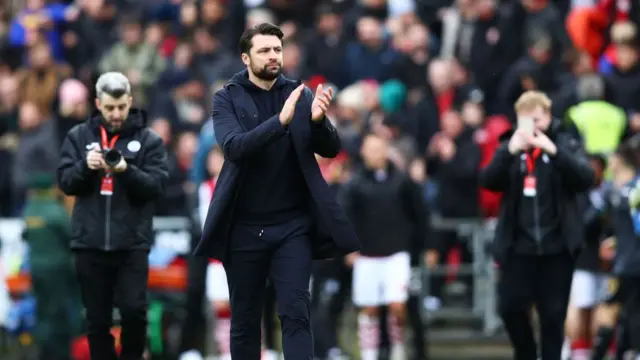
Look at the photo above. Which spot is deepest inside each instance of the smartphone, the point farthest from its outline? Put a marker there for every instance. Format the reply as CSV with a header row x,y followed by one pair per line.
x,y
527,124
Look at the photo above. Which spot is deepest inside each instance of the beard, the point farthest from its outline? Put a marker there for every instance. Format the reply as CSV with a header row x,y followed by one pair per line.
x,y
267,72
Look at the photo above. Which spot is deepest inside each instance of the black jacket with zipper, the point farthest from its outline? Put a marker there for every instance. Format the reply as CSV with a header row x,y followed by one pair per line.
x,y
122,221
571,175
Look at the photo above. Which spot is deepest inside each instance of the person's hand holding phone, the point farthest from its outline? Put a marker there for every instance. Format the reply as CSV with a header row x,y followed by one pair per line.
x,y
520,141
521,138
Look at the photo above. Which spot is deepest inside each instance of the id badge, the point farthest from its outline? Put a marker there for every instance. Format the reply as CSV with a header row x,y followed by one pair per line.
x,y
106,187
529,188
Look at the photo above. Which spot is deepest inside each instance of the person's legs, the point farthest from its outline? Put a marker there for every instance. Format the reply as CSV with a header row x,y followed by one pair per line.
x,y
448,241
397,273
269,321
131,300
605,322
246,274
552,288
218,295
193,327
583,299
290,272
632,312
53,333
97,278
367,281
417,327
515,300
325,288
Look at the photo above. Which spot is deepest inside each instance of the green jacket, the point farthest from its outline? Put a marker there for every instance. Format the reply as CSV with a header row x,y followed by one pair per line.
x,y
600,124
47,233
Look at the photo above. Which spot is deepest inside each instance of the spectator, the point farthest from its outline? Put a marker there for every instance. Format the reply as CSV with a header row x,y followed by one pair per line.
x,y
141,62
37,149
39,82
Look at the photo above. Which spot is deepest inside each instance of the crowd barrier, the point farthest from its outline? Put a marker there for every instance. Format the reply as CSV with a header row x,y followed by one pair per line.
x,y
172,233
175,233
479,234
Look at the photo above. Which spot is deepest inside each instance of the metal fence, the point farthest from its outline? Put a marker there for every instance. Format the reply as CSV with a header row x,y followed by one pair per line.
x,y
482,270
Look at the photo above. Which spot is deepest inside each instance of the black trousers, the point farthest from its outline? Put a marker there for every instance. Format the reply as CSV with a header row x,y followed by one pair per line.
x,y
193,327
114,278
542,281
281,253
269,317
329,292
629,295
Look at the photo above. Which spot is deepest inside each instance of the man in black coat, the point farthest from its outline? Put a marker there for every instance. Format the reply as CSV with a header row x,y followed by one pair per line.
x,y
542,172
272,211
116,168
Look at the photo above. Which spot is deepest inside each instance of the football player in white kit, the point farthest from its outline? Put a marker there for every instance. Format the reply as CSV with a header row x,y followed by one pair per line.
x,y
387,210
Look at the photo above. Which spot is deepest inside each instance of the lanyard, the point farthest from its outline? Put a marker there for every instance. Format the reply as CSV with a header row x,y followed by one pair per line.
x,y
105,140
531,160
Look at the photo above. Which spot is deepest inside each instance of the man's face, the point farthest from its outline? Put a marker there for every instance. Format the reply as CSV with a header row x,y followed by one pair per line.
x,y
452,124
369,31
375,151
114,111
131,34
627,57
541,118
265,57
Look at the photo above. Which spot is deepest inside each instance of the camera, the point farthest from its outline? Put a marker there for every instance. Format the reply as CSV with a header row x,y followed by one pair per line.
x,y
112,157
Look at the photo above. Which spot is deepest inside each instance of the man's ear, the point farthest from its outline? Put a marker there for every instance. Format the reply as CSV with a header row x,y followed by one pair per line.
x,y
97,101
245,58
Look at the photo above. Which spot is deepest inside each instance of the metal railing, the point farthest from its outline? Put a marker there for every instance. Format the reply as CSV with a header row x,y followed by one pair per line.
x,y
482,270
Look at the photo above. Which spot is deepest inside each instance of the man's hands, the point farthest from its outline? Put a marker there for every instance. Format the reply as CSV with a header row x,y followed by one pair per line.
x,y
95,160
608,249
351,258
121,166
320,103
521,141
286,114
541,141
442,146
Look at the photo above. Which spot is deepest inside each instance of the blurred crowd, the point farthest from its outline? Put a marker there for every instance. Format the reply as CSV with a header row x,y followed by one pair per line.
x,y
437,78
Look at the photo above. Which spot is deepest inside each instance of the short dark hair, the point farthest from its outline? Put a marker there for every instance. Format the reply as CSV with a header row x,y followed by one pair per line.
x,y
246,40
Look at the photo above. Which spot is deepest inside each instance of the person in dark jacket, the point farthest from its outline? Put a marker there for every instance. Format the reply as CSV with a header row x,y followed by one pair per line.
x,y
589,285
541,171
272,211
382,268
624,222
116,168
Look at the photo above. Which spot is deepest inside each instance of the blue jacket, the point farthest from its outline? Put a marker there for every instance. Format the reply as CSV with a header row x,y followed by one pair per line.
x,y
240,135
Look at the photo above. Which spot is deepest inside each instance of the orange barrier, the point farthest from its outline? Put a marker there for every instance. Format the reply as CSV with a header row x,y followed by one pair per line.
x,y
172,278
19,283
